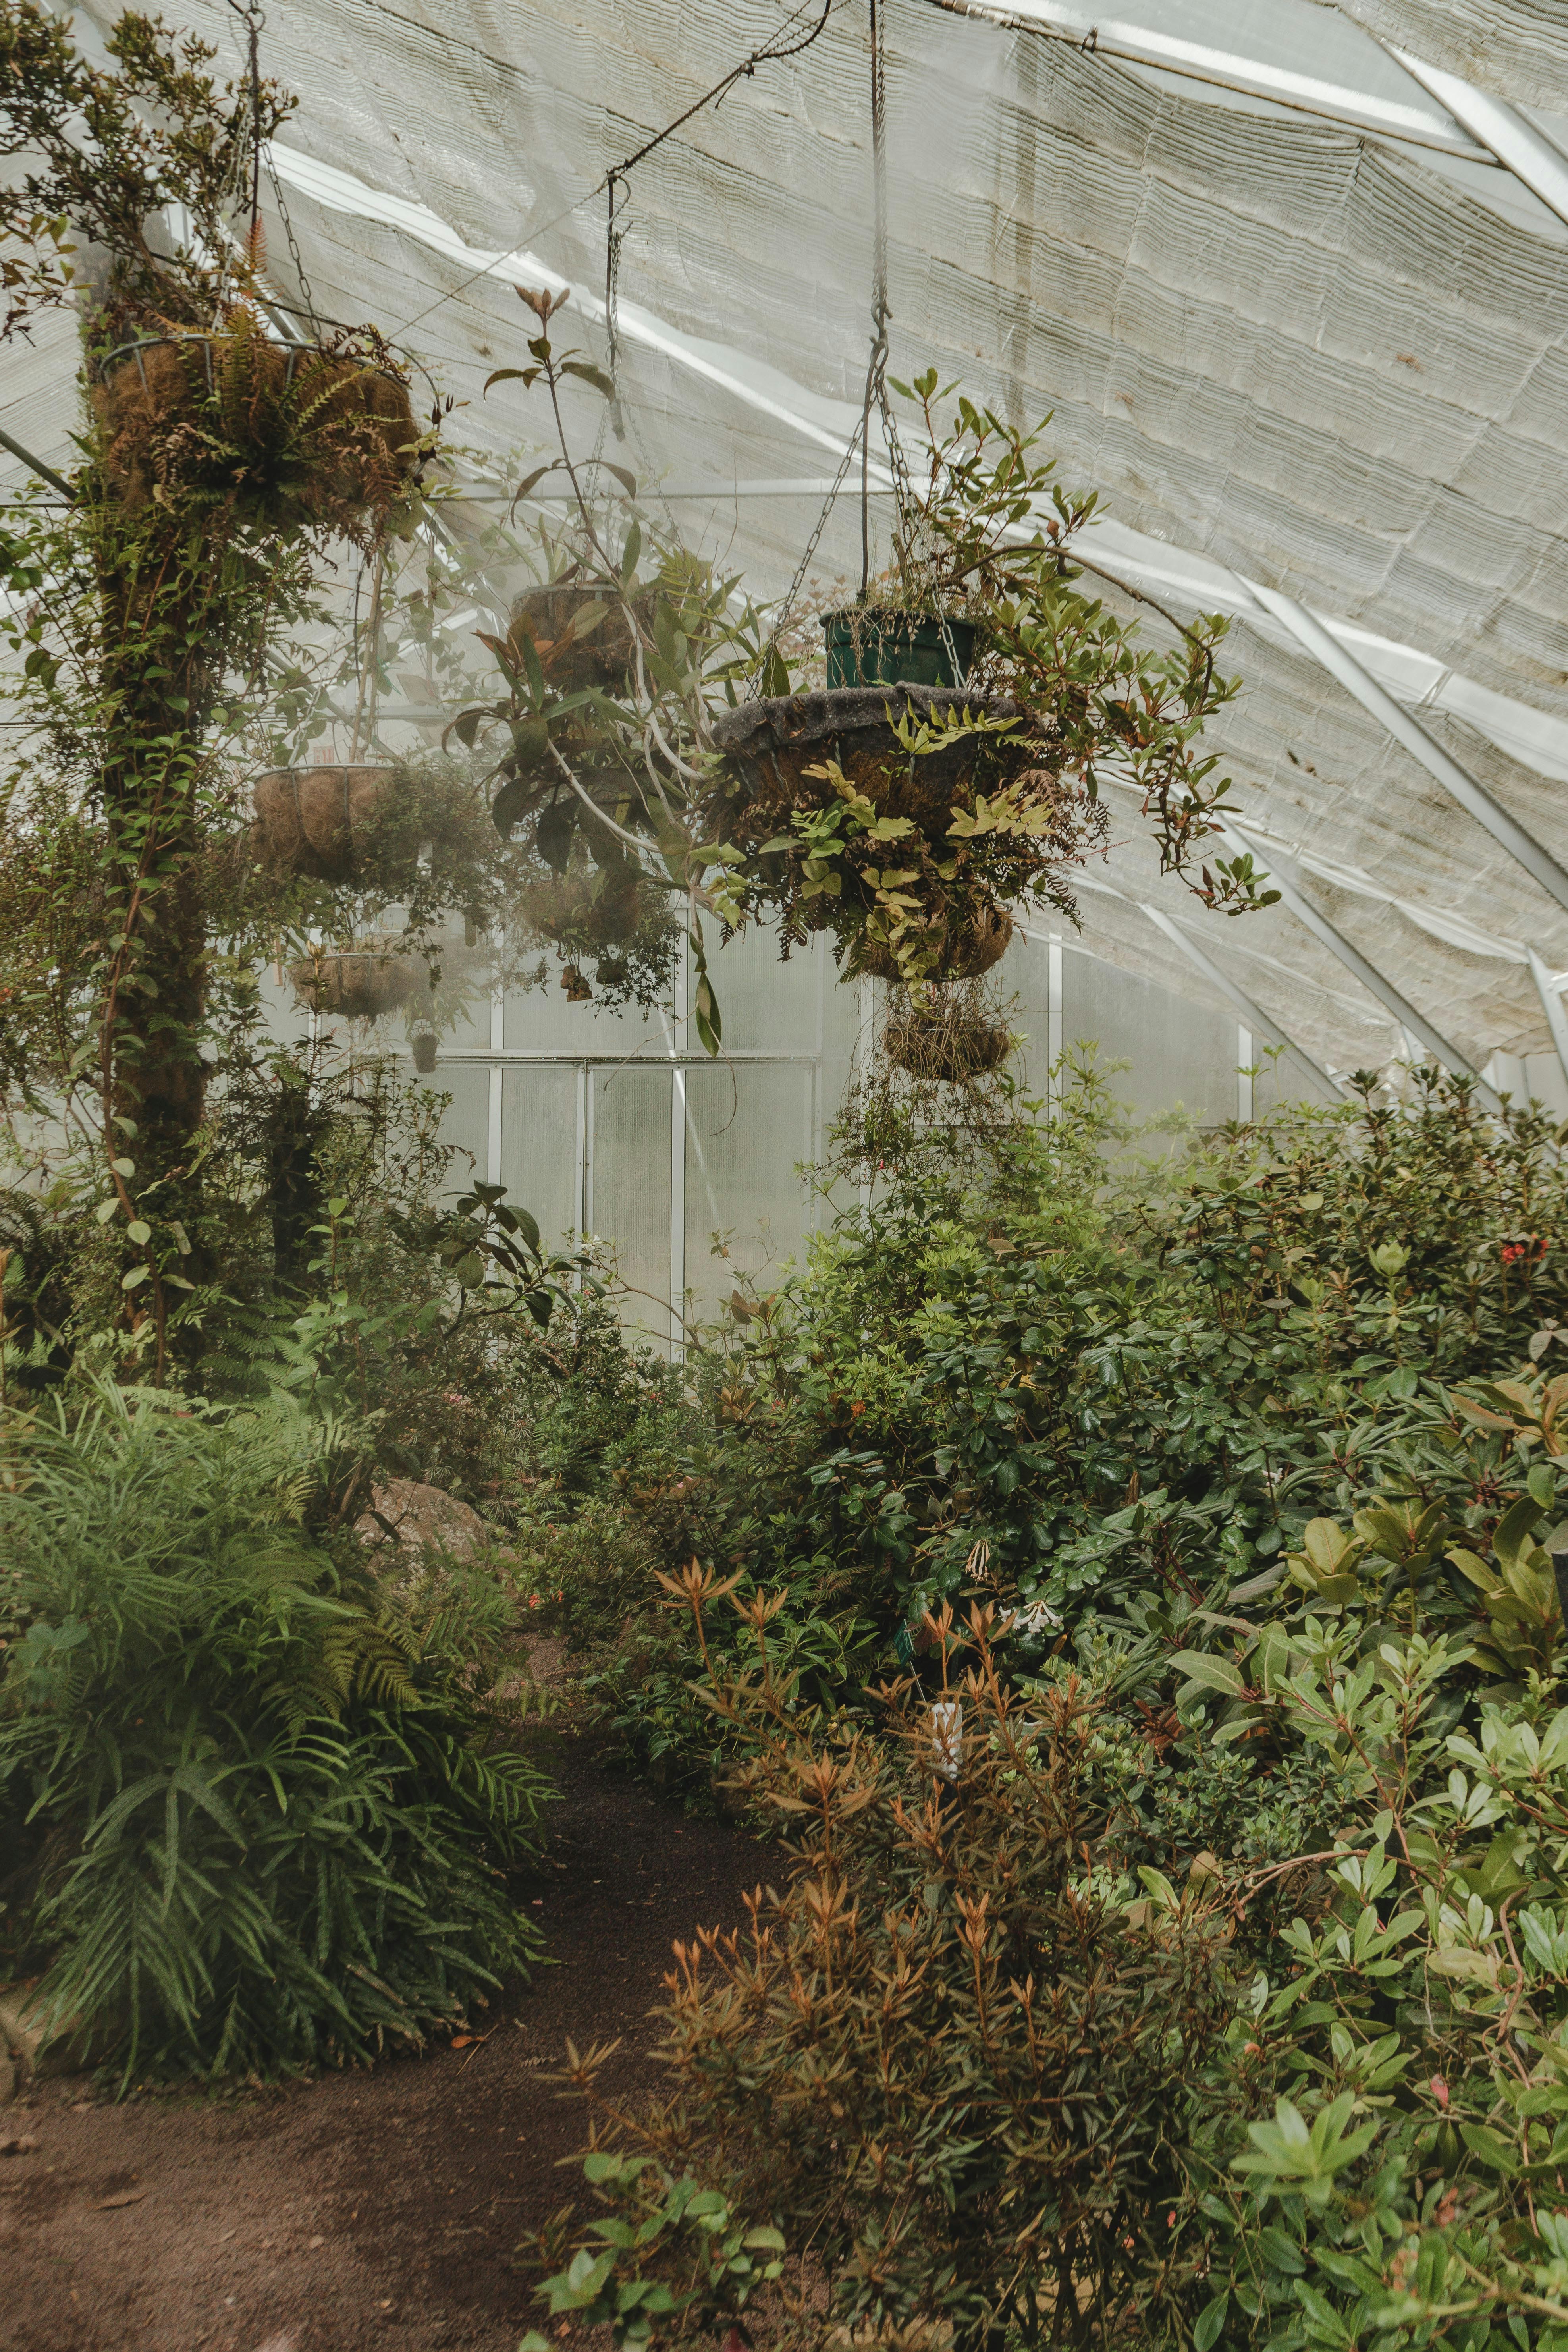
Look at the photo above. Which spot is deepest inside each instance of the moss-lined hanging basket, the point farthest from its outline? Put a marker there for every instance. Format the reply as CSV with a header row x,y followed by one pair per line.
x,y
358,983
961,949
582,633
846,824
316,822
770,749
593,909
286,434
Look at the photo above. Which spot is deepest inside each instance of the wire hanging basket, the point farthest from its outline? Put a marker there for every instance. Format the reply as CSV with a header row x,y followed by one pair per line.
x,y
316,822
286,434
361,984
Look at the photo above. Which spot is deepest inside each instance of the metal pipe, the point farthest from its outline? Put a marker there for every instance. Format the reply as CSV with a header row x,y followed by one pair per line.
x,y
1471,794
1404,1013
1245,1005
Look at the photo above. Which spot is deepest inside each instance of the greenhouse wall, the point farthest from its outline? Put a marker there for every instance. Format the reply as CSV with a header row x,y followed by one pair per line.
x,y
620,1125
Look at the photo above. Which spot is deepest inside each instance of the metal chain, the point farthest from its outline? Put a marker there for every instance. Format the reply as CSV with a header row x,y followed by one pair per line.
x,y
294,253
793,591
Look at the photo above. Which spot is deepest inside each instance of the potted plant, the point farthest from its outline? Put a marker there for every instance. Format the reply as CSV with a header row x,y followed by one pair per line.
x,y
950,768
610,671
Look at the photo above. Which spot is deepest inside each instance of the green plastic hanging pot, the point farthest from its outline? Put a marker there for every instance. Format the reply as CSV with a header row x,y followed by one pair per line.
x,y
878,645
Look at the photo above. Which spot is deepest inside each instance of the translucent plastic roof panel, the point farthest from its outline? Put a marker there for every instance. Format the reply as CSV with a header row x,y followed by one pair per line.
x,y
1304,339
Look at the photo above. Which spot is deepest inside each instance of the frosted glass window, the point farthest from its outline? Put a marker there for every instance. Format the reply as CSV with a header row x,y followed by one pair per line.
x,y
629,1189
539,1148
748,1129
464,1123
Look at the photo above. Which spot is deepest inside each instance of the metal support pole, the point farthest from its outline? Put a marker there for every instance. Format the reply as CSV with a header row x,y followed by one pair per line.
x,y
1552,1005
1470,794
580,1172
1252,1012
1432,1041
867,1043
1517,145
1053,1016
1244,1074
678,1153
493,1124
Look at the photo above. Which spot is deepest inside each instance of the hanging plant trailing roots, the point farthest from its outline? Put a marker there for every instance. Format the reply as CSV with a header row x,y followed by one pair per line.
x,y
945,1035
286,436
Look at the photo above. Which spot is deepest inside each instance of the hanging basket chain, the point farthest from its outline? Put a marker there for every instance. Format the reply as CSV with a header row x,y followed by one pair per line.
x,y
753,685
877,367
294,253
909,531
875,395
254,19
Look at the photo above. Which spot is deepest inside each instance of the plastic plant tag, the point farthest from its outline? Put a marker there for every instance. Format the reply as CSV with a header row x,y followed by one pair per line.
x,y
947,1737
904,1646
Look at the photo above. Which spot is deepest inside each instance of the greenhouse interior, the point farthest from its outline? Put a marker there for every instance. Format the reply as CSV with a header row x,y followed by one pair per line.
x,y
783,920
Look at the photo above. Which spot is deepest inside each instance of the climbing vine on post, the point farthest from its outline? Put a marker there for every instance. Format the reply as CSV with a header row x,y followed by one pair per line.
x,y
221,460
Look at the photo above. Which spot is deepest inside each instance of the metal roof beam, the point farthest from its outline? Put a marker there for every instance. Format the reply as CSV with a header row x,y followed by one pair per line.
x,y
1517,145
1284,86
1253,1012
1432,1040
1552,1005
1471,794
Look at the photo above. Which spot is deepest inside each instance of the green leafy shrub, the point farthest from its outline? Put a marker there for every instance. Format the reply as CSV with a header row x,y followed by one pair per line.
x,y
257,1813
1096,1384
945,2060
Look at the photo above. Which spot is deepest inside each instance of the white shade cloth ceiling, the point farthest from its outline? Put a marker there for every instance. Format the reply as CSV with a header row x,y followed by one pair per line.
x,y
1288,351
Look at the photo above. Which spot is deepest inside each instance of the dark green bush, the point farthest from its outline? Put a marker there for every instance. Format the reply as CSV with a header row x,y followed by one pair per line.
x,y
945,2069
258,1815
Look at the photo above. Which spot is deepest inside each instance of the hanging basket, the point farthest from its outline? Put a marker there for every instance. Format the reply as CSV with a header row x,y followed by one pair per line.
x,y
965,956
773,754
878,645
360,984
315,822
575,910
945,1035
583,634
286,435
423,1046
769,745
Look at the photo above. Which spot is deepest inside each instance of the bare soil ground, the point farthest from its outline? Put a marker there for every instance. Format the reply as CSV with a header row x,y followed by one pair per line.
x,y
376,2208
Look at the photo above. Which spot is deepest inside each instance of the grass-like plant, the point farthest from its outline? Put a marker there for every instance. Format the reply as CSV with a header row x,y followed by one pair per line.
x,y
259,1817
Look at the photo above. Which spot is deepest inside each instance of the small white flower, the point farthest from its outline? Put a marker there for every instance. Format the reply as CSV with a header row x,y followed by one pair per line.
x,y
947,1737
1034,1620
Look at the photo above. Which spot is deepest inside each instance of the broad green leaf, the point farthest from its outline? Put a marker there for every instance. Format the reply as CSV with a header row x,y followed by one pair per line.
x,y
1214,1673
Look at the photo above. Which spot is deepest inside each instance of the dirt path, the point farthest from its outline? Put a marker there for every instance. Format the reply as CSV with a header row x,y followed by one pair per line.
x,y
375,2208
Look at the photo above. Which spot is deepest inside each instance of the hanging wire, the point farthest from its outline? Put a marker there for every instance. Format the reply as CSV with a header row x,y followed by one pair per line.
x,y
254,19
876,372
769,53
874,395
